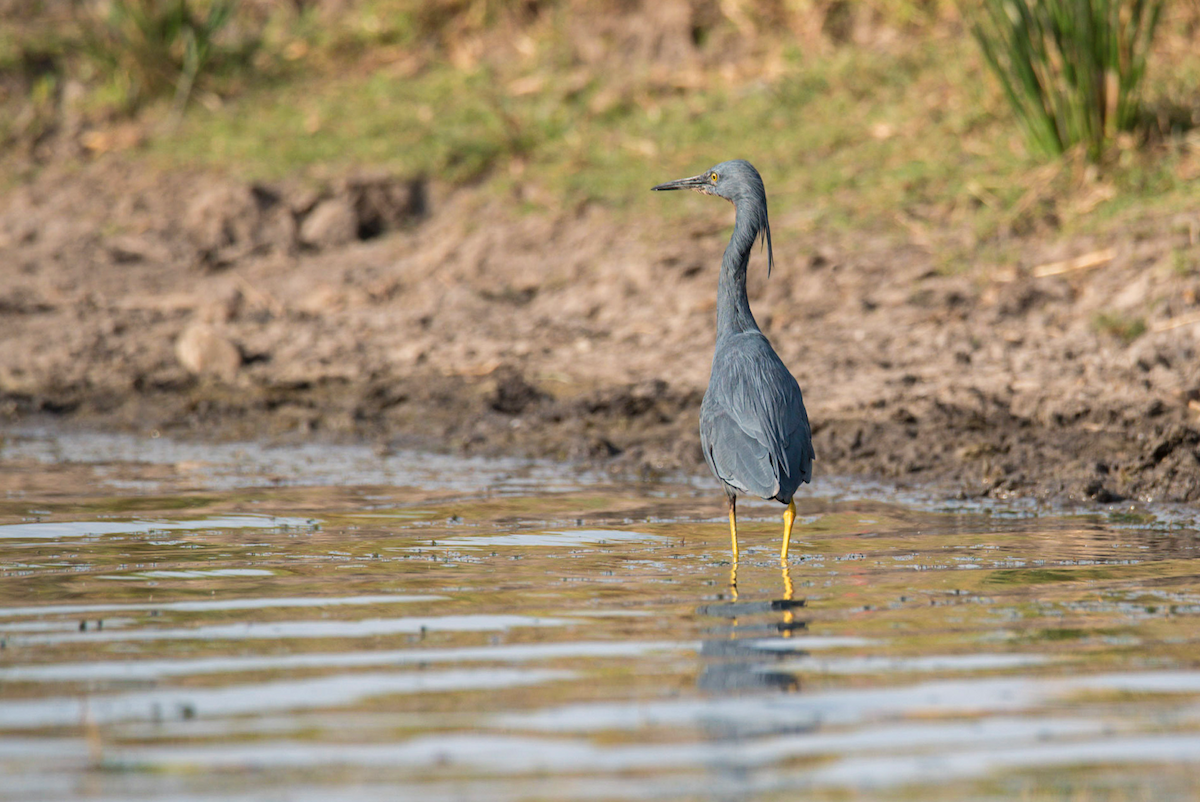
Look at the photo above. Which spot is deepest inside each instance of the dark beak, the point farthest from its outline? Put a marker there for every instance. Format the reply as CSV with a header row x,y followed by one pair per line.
x,y
697,182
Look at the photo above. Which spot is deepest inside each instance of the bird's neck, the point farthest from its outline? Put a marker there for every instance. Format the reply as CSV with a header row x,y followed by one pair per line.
x,y
733,306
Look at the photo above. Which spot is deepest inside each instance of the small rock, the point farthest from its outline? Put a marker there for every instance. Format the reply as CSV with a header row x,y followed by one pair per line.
x,y
204,352
331,223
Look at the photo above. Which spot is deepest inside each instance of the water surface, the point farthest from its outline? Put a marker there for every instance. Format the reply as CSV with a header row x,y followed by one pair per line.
x,y
192,622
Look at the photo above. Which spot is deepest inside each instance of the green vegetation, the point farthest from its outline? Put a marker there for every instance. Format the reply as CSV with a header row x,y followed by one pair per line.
x,y
1072,69
1124,327
911,135
153,47
860,138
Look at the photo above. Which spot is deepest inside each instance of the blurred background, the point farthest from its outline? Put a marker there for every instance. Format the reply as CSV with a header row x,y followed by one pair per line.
x,y
431,219
863,110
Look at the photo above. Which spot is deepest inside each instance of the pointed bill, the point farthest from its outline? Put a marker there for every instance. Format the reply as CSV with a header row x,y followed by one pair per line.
x,y
698,182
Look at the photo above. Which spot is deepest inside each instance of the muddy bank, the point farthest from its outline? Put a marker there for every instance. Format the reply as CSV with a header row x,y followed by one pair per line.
x,y
388,308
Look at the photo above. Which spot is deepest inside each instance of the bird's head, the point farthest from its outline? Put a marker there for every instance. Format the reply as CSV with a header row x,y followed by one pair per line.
x,y
732,180
739,183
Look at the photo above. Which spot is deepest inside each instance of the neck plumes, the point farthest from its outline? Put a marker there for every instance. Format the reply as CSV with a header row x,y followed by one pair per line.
x,y
733,306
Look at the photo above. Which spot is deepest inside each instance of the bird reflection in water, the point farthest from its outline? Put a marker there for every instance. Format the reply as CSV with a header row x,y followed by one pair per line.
x,y
738,660
786,603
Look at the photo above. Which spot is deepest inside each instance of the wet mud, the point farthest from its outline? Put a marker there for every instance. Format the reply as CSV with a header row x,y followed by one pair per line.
x,y
395,311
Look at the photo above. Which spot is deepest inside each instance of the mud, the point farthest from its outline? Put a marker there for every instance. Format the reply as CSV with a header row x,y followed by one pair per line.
x,y
395,310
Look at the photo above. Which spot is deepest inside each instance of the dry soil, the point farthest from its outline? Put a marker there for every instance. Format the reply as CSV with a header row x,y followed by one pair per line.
x,y
412,314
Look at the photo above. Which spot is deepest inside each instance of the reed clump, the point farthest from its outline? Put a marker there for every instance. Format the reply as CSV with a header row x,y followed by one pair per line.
x,y
1071,69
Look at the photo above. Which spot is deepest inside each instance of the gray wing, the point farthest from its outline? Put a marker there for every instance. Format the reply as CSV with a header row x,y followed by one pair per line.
x,y
753,426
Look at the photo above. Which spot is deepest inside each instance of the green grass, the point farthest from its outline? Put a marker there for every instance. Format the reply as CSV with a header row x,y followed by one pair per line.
x,y
1124,327
888,141
156,47
911,139
852,140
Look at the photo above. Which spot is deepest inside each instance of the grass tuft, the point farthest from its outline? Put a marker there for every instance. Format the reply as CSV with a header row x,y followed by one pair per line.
x,y
1072,70
1124,327
151,48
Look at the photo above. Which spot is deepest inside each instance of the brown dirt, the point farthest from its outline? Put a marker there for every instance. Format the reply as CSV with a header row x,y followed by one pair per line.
x,y
407,313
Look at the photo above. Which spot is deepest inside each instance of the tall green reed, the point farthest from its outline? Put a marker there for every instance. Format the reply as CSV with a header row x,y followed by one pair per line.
x,y
1071,69
156,47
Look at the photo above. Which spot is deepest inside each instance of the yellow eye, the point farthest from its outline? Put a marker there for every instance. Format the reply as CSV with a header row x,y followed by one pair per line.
x,y
713,178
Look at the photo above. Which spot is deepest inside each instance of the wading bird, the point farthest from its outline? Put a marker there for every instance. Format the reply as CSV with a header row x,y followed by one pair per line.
x,y
753,427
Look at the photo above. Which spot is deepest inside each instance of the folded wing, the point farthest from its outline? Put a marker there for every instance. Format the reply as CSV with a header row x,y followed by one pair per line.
x,y
753,425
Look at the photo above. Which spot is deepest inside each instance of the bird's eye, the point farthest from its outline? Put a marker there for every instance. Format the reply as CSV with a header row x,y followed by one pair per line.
x,y
713,178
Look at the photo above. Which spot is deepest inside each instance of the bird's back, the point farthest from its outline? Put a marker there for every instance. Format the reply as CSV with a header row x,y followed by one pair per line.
x,y
753,426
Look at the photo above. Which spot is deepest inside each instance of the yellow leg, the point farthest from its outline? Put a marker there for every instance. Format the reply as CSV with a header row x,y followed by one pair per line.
x,y
789,517
733,527
788,616
733,591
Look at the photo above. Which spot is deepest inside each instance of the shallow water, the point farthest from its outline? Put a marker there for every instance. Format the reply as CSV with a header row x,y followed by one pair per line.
x,y
192,622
